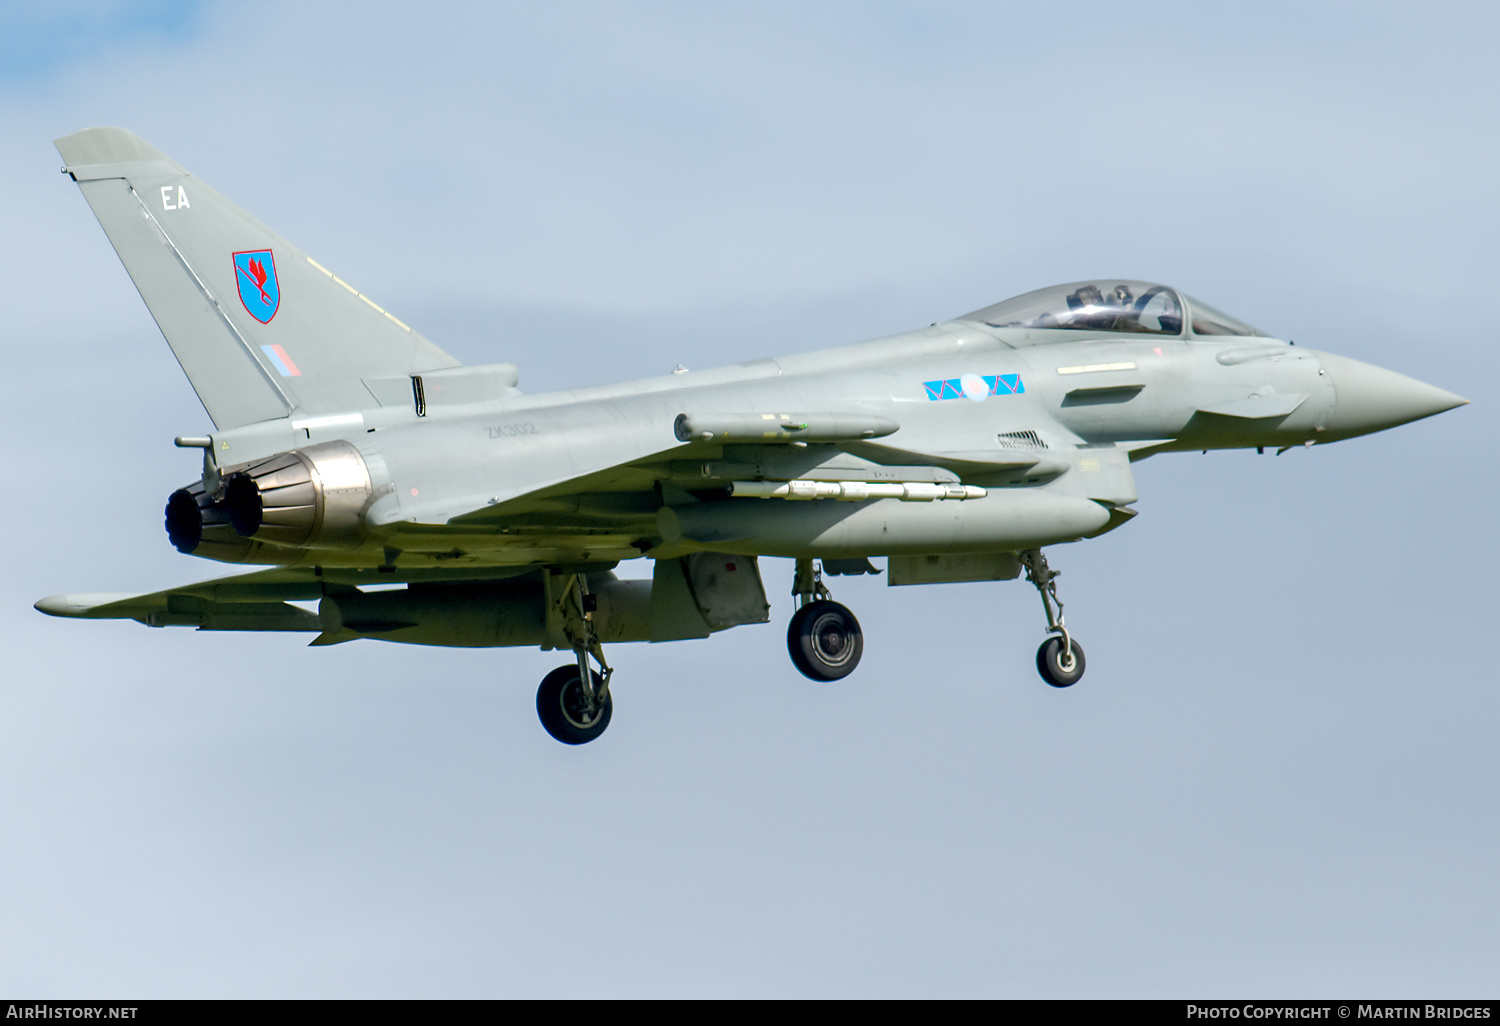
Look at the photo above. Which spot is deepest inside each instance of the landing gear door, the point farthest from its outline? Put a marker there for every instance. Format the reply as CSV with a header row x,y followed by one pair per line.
x,y
727,588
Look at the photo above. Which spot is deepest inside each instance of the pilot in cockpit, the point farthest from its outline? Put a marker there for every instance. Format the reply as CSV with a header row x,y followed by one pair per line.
x,y
1124,311
1119,310
1088,308
1110,305
1085,297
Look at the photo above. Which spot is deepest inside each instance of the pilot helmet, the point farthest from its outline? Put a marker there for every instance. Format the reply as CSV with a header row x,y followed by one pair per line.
x,y
1087,295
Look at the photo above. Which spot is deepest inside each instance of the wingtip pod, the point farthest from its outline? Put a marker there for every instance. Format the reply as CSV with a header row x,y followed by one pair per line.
x,y
56,605
106,146
78,606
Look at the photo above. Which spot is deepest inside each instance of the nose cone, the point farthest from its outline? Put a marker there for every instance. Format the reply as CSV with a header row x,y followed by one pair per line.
x,y
1369,398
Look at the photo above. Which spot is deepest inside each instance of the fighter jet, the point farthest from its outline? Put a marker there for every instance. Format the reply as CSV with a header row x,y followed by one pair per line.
x,y
424,502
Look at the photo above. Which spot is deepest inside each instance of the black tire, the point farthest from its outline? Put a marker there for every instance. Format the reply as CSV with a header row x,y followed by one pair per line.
x,y
825,641
1049,663
560,705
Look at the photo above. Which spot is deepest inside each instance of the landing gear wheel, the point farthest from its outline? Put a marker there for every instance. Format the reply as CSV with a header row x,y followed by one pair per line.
x,y
564,707
824,640
1049,663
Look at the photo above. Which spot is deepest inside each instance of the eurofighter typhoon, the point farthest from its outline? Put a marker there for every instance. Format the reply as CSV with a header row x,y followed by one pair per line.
x,y
348,452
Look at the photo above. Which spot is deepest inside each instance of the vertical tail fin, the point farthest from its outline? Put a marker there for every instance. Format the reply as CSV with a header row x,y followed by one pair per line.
x,y
259,327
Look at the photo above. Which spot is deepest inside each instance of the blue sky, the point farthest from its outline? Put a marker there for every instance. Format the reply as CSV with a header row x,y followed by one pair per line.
x,y
39,41
1278,777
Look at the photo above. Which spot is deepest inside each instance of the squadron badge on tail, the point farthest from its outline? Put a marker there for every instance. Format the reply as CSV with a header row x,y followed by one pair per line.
x,y
255,270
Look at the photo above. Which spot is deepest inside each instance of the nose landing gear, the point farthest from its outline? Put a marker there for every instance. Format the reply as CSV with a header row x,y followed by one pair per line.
x,y
1060,665
1060,659
823,638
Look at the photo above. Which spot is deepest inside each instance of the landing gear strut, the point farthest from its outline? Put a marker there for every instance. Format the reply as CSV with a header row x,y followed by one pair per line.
x,y
1060,659
573,701
824,638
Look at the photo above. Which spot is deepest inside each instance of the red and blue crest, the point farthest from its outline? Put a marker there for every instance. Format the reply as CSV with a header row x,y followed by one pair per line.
x,y
255,272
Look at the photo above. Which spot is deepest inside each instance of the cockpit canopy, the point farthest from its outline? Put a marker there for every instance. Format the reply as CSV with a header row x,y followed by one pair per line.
x,y
1112,305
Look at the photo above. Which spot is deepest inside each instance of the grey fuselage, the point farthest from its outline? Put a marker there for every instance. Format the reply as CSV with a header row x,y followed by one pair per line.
x,y
597,475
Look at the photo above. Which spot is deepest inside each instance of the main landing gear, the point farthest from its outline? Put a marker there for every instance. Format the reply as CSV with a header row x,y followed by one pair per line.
x,y
573,701
824,638
1060,659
